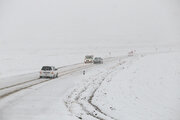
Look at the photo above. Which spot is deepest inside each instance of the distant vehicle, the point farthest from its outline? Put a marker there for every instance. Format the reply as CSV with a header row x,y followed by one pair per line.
x,y
98,60
88,59
48,72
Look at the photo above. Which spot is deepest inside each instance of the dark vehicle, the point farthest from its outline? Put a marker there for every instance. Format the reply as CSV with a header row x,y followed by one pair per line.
x,y
98,60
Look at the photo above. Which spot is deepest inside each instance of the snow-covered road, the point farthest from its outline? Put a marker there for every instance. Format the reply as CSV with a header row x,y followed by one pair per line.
x,y
14,84
15,89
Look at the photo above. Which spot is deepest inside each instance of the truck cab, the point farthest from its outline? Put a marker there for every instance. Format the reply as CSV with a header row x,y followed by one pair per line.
x,y
88,59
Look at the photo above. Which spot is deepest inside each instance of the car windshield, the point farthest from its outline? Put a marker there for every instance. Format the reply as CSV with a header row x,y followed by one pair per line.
x,y
46,68
97,58
89,57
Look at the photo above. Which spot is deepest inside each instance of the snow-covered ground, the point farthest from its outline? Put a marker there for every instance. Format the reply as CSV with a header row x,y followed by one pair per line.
x,y
147,89
140,88
60,33
46,100
144,86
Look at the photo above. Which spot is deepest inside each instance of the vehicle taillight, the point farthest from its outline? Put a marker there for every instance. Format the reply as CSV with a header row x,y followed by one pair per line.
x,y
40,72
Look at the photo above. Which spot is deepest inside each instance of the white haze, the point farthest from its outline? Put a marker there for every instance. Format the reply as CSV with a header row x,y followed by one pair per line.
x,y
32,23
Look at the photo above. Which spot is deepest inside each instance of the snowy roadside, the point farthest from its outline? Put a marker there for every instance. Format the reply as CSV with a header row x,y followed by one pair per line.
x,y
145,87
149,89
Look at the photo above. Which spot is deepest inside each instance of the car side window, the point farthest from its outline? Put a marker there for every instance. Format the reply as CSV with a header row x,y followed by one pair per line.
x,y
54,68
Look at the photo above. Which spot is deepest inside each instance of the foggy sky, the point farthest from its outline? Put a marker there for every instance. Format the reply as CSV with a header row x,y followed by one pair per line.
x,y
89,21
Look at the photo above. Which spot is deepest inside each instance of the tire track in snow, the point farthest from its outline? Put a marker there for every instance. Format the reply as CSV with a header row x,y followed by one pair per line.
x,y
76,97
96,107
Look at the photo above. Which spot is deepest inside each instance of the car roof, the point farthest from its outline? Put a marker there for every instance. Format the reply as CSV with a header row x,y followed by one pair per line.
x,y
48,66
89,55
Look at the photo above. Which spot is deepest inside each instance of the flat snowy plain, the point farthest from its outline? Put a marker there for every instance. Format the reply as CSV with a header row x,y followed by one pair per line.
x,y
140,87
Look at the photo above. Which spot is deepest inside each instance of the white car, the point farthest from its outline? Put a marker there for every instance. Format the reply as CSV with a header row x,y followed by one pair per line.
x,y
48,72
88,59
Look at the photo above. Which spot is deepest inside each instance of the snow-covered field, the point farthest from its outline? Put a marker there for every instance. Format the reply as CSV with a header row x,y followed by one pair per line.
x,y
140,88
147,89
144,86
